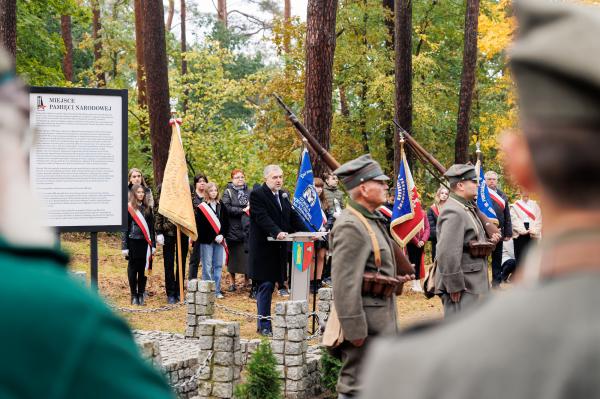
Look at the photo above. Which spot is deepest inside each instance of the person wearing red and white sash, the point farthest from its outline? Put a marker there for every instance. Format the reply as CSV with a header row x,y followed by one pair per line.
x,y
527,223
212,221
138,242
441,196
500,204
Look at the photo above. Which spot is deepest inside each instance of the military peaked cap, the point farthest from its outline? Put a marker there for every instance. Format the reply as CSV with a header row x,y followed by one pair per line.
x,y
555,61
460,172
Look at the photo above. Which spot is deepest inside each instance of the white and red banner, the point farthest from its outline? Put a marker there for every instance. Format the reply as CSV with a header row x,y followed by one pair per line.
x,y
525,209
497,198
139,219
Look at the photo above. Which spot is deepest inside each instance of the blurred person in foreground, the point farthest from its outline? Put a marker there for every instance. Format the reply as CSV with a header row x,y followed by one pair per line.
x,y
540,339
58,340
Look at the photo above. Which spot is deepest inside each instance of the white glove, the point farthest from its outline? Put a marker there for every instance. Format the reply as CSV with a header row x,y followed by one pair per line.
x,y
125,252
219,239
322,228
160,239
336,214
153,250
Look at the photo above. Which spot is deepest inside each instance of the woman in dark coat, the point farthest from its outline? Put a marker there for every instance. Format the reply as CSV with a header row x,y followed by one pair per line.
x,y
200,181
138,242
236,200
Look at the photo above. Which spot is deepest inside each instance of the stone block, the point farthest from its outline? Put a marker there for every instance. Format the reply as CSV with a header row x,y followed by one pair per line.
x,y
224,358
225,329
193,285
204,388
190,297
222,389
312,365
280,370
253,345
294,360
280,308
294,308
279,358
205,298
190,331
295,385
278,333
191,320
277,346
325,294
222,374
296,395
279,321
191,308
201,310
223,344
295,373
205,373
205,342
296,334
324,306
304,307
293,348
205,328
206,286
296,321
237,372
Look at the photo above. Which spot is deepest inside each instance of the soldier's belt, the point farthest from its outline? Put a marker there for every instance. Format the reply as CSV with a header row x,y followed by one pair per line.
x,y
481,249
376,284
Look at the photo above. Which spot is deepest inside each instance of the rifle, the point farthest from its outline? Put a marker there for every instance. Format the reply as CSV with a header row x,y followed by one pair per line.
x,y
403,266
424,156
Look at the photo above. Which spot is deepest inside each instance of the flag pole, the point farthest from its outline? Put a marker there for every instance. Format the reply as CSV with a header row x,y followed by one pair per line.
x,y
179,265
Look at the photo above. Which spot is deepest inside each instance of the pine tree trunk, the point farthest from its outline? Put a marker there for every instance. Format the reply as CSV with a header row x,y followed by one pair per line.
x,y
287,21
139,52
320,49
183,50
65,28
222,11
389,134
8,26
467,84
170,13
403,62
157,83
96,26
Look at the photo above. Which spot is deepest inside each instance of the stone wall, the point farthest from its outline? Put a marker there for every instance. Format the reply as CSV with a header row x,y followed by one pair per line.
x,y
325,297
200,300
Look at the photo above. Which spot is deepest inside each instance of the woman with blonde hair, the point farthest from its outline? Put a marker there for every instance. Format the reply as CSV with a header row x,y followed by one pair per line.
x,y
441,196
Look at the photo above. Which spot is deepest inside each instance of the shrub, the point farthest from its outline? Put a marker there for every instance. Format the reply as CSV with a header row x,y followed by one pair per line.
x,y
330,370
262,377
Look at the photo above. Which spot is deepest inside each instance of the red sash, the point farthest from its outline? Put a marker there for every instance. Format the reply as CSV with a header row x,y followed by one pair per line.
x,y
435,210
385,211
139,219
523,207
497,198
215,223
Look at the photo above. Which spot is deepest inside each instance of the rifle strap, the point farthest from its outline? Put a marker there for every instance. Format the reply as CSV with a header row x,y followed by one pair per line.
x,y
376,250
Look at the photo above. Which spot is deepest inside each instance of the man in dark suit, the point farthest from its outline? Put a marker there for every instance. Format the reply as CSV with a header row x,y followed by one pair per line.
x,y
271,215
500,204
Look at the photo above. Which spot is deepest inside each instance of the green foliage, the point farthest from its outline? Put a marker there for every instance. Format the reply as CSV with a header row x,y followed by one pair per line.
x,y
262,378
330,367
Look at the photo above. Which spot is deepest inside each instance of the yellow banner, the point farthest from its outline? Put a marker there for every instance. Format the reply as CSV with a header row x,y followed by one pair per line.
x,y
175,197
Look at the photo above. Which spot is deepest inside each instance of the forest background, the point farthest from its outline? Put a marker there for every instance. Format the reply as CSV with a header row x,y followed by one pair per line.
x,y
225,76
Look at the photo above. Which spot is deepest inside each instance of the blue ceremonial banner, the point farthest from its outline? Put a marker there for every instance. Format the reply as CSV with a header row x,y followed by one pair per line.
x,y
484,201
306,199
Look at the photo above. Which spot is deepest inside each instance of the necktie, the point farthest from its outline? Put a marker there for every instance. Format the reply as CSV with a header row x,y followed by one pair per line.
x,y
278,200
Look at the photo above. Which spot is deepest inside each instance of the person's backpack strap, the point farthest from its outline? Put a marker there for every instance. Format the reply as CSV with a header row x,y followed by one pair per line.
x,y
376,250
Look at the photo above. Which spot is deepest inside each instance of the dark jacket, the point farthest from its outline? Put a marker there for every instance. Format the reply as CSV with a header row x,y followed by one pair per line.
x,y
134,232
503,215
267,258
432,218
162,224
206,233
235,200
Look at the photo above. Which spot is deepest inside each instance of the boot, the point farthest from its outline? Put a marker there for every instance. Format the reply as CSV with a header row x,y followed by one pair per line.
x,y
134,299
141,299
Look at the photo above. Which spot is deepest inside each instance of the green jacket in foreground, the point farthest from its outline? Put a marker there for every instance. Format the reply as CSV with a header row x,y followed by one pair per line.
x,y
59,340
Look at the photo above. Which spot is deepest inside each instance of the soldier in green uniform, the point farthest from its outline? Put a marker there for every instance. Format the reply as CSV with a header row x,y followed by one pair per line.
x,y
540,339
462,279
58,340
362,316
